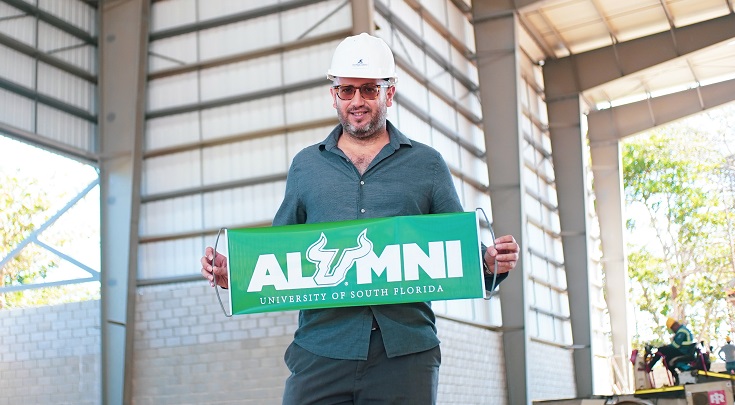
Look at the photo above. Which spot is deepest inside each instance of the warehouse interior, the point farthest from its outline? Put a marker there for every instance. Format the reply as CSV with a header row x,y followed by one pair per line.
x,y
191,111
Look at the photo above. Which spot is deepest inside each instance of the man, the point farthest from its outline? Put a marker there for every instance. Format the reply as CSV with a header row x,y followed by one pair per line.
x,y
366,168
729,350
682,344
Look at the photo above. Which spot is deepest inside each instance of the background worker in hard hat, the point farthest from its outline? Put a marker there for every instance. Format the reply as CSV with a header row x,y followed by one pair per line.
x,y
367,168
729,351
682,343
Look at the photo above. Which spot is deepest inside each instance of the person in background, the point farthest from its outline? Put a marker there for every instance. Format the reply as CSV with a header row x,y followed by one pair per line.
x,y
683,343
729,351
367,168
708,355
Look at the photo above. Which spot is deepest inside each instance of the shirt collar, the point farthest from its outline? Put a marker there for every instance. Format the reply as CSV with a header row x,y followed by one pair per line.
x,y
397,138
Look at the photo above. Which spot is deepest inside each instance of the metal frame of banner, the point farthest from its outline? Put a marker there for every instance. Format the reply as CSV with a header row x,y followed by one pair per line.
x,y
214,276
493,292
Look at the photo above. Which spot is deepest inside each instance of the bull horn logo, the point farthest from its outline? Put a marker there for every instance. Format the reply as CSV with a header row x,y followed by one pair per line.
x,y
326,275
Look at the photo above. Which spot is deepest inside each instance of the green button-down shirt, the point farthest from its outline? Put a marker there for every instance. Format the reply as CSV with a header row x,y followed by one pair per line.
x,y
405,178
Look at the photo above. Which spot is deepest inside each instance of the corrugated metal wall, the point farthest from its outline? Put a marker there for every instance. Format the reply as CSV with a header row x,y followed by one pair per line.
x,y
237,88
48,73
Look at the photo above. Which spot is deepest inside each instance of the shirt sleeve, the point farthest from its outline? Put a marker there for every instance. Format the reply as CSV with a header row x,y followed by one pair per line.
x,y
444,196
291,211
491,282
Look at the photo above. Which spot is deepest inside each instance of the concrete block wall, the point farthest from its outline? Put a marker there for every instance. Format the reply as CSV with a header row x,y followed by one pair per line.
x,y
187,352
552,374
50,355
472,371
197,356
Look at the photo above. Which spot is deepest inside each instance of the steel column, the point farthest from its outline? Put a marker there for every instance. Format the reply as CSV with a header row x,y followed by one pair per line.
x,y
123,48
607,169
363,19
499,74
569,157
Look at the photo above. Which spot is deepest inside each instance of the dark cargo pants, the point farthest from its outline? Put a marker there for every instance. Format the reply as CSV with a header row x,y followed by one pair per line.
x,y
410,379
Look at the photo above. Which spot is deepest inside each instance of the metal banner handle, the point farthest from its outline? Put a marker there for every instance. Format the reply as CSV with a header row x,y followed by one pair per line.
x,y
492,292
214,276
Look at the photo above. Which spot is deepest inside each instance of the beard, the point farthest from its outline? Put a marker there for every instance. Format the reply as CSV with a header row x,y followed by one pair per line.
x,y
369,129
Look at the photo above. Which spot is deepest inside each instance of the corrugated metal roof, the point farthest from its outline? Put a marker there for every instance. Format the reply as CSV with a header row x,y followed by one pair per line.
x,y
568,27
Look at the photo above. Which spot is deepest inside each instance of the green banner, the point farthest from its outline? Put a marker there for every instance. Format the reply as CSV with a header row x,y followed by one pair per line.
x,y
349,263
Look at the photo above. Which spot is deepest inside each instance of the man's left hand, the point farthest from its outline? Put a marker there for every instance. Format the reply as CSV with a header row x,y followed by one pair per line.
x,y
505,252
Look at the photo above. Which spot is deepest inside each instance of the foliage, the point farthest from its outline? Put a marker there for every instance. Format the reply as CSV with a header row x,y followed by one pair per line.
x,y
679,186
24,205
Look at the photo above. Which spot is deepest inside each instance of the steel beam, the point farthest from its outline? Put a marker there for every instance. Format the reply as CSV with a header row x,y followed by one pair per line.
x,y
47,58
363,17
244,136
499,74
596,67
49,144
614,124
123,48
240,98
53,20
33,237
52,102
231,18
300,43
492,9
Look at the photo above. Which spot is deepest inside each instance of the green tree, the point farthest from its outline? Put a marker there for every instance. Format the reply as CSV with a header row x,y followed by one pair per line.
x,y
676,183
23,204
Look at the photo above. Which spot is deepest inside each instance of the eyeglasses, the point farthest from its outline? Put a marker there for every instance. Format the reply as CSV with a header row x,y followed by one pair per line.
x,y
368,91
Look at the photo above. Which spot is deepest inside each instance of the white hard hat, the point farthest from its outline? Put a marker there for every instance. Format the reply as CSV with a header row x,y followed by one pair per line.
x,y
363,56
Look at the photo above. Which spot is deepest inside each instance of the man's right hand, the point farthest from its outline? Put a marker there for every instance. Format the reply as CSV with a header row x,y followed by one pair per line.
x,y
218,268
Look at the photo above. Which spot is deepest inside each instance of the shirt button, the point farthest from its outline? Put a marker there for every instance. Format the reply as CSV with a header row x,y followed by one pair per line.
x,y
362,183
362,210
